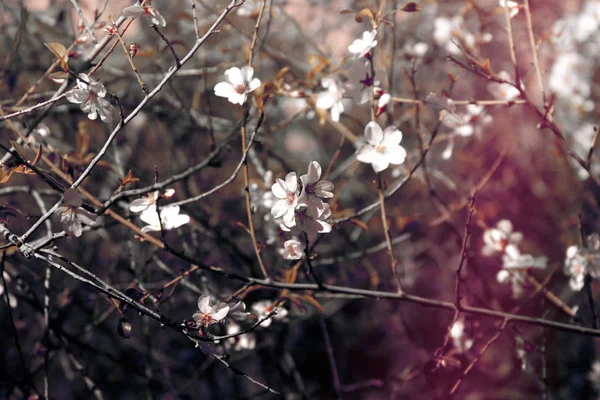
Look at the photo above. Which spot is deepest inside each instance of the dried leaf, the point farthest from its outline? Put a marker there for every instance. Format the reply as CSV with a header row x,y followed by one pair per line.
x,y
59,77
38,156
58,50
348,11
411,7
19,149
310,299
128,179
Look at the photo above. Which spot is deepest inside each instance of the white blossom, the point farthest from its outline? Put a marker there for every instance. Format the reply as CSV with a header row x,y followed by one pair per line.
x,y
513,7
314,190
142,204
461,341
245,341
361,47
72,215
331,99
209,314
293,249
575,267
286,192
263,308
239,83
169,216
503,91
382,147
91,95
497,239
146,11
12,299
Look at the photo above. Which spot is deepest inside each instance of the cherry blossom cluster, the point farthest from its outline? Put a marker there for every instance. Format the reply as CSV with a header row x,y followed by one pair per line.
x,y
362,82
300,205
233,316
504,241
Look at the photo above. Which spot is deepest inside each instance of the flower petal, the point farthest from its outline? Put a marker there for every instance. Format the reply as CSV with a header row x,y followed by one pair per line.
x,y
366,153
373,133
392,136
395,155
234,76
204,304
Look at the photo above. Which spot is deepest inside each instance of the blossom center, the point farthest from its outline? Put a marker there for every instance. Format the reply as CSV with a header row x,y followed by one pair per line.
x,y
241,88
291,198
380,149
206,319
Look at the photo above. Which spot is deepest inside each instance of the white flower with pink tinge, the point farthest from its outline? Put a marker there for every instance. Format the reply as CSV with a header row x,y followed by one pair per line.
x,y
361,47
331,99
314,190
72,215
91,95
286,192
293,249
382,147
169,216
146,11
501,239
239,84
209,314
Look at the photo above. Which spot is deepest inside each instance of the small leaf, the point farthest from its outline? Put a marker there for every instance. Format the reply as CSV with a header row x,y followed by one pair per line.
x,y
58,50
38,156
124,328
309,299
19,149
411,7
128,179
59,77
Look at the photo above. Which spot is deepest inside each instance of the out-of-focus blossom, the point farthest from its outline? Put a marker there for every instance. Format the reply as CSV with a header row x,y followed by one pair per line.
x,y
313,190
382,147
286,192
513,259
245,341
293,249
594,376
449,31
513,7
361,47
209,314
575,267
515,278
72,215
265,307
91,95
461,341
331,99
503,91
12,299
497,239
416,49
169,216
239,83
146,11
